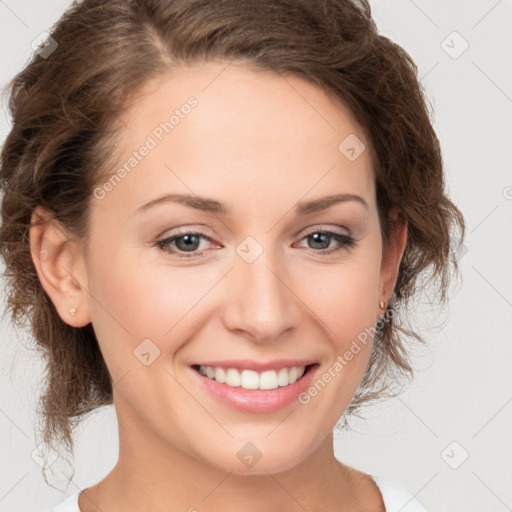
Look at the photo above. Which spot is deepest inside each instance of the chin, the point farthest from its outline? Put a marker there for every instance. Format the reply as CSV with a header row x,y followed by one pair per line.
x,y
257,457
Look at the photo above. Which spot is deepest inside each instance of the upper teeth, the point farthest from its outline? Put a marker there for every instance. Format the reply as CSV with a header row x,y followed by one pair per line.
x,y
249,379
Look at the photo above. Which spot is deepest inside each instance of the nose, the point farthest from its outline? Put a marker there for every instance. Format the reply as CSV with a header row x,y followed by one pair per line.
x,y
261,302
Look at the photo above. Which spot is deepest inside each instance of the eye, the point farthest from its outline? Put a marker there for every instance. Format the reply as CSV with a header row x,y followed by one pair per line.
x,y
189,242
323,238
186,242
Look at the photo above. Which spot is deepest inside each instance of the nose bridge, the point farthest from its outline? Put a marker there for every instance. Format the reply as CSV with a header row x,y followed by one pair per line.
x,y
261,303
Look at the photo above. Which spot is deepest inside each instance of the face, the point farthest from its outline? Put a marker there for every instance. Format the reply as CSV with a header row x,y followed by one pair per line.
x,y
249,276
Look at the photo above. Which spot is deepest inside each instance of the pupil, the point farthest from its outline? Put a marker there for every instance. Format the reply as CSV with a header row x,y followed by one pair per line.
x,y
315,236
190,241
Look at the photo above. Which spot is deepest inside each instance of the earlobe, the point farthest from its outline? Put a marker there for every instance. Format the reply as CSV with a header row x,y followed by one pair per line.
x,y
60,267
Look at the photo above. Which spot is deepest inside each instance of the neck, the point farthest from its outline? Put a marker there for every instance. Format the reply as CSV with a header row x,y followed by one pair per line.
x,y
151,470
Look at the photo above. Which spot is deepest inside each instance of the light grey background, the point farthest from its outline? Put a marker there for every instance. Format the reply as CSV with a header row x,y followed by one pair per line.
x,y
462,392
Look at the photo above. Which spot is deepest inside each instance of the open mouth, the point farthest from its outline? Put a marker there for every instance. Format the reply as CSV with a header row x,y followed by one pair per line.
x,y
250,379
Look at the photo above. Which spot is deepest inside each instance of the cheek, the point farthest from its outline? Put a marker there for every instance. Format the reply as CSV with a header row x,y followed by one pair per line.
x,y
133,300
345,300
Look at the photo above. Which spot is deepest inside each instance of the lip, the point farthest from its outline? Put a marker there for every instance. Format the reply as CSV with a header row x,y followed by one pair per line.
x,y
256,400
250,364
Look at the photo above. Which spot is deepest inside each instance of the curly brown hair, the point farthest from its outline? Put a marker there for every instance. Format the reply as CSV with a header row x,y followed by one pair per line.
x,y
66,107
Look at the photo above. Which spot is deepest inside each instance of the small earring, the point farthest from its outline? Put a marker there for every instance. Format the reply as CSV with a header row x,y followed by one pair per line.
x,y
72,311
381,304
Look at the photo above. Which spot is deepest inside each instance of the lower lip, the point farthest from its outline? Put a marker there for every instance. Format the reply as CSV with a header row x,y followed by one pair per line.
x,y
257,400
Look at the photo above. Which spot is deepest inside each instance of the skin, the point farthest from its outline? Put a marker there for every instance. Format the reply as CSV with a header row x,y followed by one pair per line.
x,y
258,143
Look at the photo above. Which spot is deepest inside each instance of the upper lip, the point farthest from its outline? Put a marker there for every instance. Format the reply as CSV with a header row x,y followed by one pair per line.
x,y
249,364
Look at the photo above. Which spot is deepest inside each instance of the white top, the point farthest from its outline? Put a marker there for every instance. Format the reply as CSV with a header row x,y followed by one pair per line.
x,y
396,499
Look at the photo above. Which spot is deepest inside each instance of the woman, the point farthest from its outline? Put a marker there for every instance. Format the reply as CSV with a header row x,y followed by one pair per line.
x,y
213,214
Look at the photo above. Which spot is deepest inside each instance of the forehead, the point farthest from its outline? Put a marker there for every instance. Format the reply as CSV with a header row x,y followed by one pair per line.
x,y
246,128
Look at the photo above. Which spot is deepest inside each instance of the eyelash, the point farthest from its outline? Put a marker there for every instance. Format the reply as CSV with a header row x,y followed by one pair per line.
x,y
346,241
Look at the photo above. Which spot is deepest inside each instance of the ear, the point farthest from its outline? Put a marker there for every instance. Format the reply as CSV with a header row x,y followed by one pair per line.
x,y
60,267
392,255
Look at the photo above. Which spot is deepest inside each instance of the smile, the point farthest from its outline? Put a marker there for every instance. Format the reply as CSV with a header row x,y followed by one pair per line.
x,y
255,386
250,379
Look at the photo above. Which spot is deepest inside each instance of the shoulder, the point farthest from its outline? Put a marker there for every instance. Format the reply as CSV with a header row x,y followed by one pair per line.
x,y
396,498
69,505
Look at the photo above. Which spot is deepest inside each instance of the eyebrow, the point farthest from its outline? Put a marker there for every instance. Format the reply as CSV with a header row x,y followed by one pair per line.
x,y
212,206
